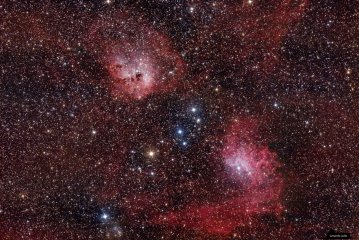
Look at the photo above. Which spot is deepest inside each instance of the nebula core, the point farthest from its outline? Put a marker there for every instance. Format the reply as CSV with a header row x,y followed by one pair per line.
x,y
188,120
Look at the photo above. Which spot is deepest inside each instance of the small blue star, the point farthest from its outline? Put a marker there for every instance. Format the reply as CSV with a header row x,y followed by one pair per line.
x,y
104,216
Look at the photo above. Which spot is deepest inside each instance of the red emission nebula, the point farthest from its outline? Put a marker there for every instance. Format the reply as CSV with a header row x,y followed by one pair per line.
x,y
140,60
251,166
188,120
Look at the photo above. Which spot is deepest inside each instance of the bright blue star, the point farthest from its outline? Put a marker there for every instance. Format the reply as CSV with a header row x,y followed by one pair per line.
x,y
104,216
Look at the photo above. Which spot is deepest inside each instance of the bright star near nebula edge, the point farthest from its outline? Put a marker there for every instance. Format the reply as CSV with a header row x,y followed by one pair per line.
x,y
186,120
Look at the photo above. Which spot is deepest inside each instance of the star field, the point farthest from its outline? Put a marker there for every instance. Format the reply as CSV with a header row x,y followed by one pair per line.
x,y
183,120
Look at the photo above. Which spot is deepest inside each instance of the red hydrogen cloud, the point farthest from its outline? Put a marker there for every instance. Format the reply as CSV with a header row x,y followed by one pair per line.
x,y
245,158
250,164
139,59
250,33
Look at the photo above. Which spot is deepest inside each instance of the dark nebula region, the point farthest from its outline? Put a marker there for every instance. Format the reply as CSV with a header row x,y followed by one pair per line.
x,y
179,119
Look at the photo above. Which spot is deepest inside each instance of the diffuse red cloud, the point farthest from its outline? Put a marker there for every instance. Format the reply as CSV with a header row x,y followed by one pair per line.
x,y
248,33
139,59
250,164
246,158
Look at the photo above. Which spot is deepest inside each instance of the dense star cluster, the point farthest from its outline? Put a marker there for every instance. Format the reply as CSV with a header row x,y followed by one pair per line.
x,y
179,119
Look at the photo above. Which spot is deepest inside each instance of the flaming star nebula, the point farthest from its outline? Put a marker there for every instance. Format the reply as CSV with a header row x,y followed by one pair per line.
x,y
254,168
254,164
188,120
